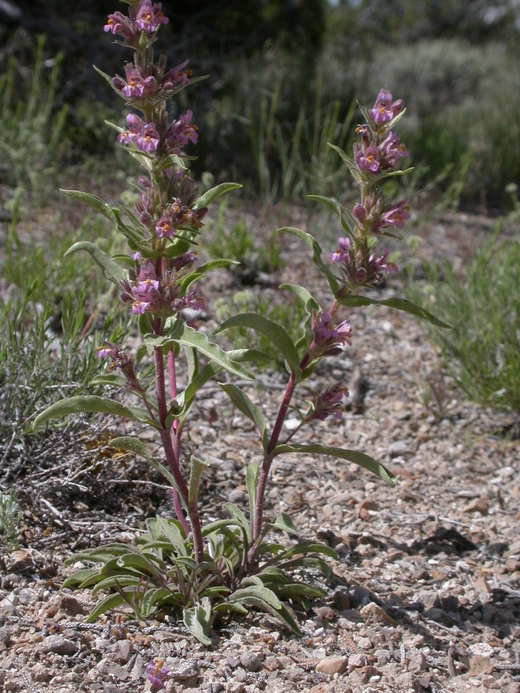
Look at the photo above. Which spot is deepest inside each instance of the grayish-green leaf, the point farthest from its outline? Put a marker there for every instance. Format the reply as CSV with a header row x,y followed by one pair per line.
x,y
396,303
275,333
112,271
82,404
212,194
93,201
354,456
247,407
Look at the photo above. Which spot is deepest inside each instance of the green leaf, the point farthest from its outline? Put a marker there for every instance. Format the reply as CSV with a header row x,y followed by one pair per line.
x,y
105,605
187,336
397,303
197,621
284,523
266,600
135,445
185,398
91,404
275,333
198,466
241,519
335,206
305,296
247,407
111,379
173,532
212,194
93,201
202,270
112,271
354,456
316,254
251,479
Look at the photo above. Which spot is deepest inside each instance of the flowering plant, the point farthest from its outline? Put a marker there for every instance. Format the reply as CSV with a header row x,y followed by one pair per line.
x,y
229,565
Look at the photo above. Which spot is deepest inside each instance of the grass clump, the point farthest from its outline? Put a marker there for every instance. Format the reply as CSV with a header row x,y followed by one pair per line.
x,y
482,350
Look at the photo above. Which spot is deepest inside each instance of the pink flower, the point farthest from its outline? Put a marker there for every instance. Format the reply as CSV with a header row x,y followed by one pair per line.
x,y
164,227
176,78
135,125
136,86
156,673
150,17
366,158
390,151
327,338
396,215
328,403
146,297
384,110
148,138
181,132
116,23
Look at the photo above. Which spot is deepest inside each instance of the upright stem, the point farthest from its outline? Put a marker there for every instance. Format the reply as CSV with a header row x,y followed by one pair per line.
x,y
174,438
171,458
263,474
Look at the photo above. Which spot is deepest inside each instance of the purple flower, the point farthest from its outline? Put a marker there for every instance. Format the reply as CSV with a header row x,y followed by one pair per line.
x,y
136,86
176,78
327,338
390,151
360,267
135,125
116,23
144,135
108,351
156,673
150,17
366,158
329,402
147,298
118,359
384,110
396,215
181,132
164,227
342,253
148,138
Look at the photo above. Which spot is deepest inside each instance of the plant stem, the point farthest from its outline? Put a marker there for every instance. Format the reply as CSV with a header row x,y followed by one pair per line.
x,y
263,474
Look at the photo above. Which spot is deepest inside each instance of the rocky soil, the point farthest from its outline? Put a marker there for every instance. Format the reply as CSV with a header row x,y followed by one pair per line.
x,y
426,591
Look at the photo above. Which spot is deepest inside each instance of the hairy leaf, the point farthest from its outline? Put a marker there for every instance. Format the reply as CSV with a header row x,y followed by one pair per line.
x,y
91,404
112,271
247,407
212,194
358,458
275,333
397,303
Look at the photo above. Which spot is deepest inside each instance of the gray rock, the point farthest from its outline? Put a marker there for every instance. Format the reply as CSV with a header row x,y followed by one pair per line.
x,y
398,448
59,645
251,661
123,651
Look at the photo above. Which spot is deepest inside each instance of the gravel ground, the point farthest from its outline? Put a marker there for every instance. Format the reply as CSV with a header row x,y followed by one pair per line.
x,y
426,591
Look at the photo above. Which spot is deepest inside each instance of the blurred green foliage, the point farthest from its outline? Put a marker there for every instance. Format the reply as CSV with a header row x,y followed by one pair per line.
x,y
482,350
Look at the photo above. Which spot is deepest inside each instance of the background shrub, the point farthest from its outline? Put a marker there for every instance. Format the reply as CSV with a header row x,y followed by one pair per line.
x,y
482,351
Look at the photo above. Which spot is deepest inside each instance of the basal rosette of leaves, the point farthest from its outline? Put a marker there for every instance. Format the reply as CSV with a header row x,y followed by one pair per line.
x,y
229,566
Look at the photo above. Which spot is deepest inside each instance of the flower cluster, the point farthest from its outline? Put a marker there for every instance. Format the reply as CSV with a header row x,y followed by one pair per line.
x,y
377,154
328,338
159,292
359,266
328,403
119,359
